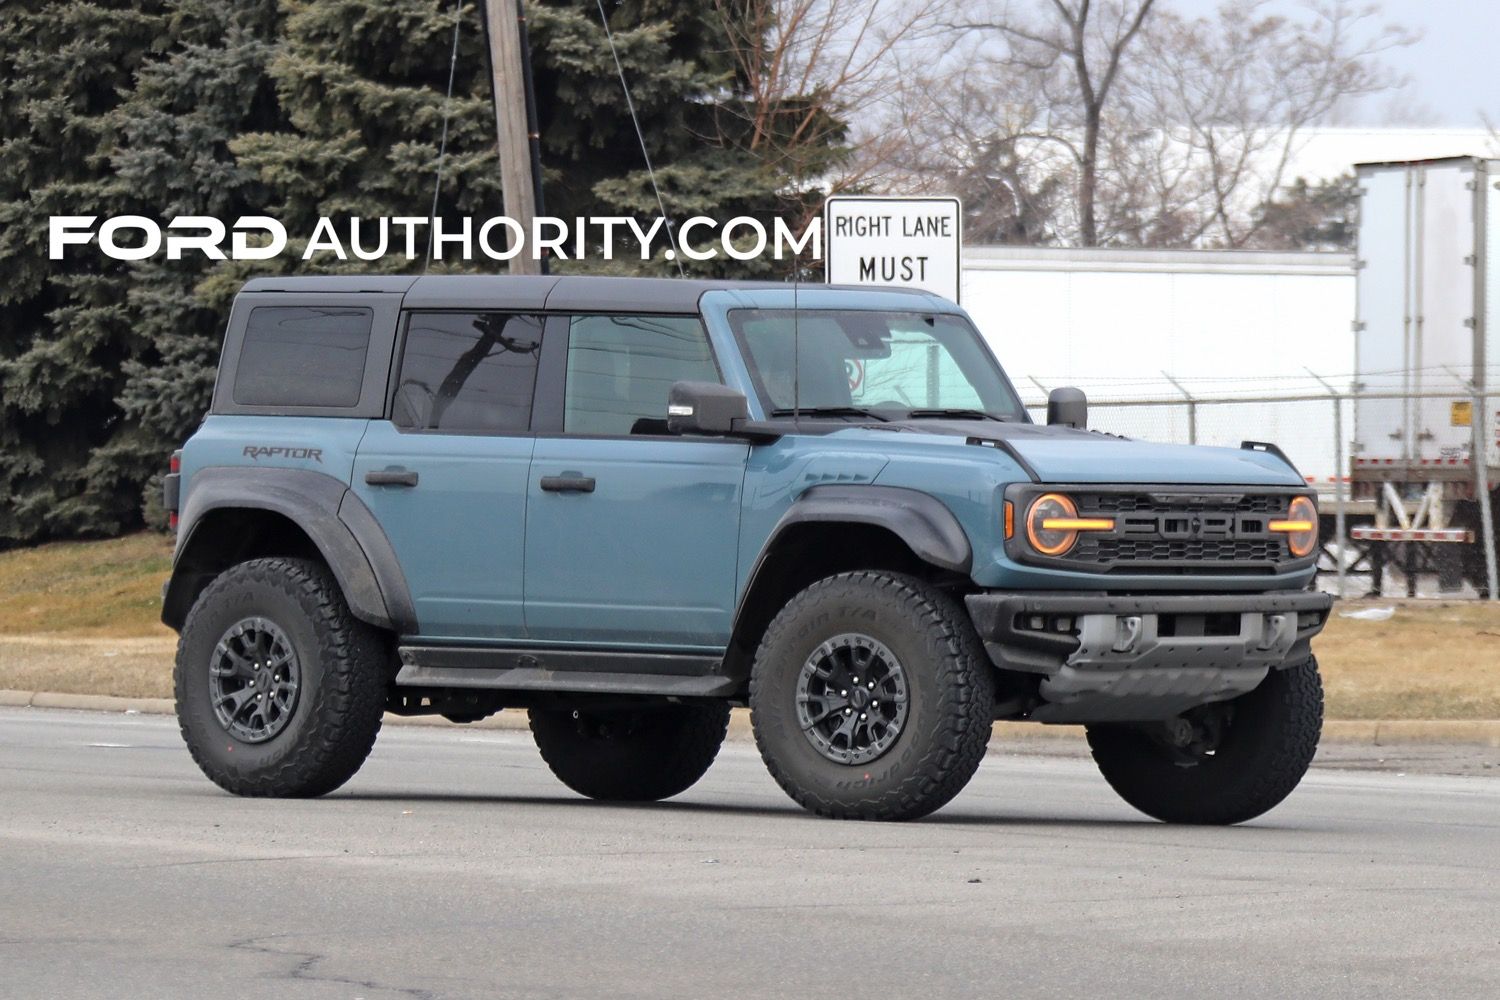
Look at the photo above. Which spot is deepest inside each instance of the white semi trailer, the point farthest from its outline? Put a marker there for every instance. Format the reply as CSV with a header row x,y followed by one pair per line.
x,y
1178,345
1427,365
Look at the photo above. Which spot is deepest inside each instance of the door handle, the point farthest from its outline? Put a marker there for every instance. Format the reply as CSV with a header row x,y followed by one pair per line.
x,y
568,484
391,477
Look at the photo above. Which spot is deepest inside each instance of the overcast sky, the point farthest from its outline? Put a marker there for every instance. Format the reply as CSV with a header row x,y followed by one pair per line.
x,y
1451,69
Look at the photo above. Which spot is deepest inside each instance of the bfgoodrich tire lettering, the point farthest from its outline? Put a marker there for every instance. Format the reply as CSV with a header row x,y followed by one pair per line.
x,y
949,687
1264,751
343,672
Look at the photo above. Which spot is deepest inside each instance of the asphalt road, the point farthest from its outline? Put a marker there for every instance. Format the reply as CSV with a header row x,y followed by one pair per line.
x,y
455,866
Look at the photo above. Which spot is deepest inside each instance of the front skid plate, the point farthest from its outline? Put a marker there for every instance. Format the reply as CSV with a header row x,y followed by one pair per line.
x,y
1115,663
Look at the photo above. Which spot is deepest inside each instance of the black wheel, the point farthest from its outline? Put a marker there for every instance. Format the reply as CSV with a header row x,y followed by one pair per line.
x,y
631,755
1223,763
280,690
871,697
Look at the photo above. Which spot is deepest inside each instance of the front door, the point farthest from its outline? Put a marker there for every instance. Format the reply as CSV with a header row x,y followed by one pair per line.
x,y
446,474
632,534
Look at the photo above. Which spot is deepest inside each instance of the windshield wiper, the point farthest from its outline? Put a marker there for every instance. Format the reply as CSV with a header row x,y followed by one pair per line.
x,y
829,411
956,413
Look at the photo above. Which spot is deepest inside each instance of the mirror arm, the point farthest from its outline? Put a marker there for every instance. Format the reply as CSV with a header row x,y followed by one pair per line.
x,y
757,431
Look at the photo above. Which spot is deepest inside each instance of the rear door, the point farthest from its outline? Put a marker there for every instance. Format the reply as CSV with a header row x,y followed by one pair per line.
x,y
632,534
445,472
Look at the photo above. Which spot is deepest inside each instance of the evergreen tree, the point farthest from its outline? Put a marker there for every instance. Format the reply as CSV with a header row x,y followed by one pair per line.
x,y
677,59
300,109
363,84
65,330
175,129
1305,216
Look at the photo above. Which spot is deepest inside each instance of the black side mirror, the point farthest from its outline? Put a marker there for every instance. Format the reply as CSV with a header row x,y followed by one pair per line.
x,y
705,408
1068,407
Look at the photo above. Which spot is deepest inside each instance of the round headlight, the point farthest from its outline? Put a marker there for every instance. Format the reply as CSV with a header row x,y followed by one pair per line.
x,y
1050,507
1300,527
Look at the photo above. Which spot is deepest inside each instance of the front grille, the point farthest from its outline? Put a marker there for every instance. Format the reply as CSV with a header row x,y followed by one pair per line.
x,y
1167,503
1112,550
1182,532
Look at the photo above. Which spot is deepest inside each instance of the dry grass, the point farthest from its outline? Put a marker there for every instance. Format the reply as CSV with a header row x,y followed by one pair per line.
x,y
126,668
109,589
81,617
1431,660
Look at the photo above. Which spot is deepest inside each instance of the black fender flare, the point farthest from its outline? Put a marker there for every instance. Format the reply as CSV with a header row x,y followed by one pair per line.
x,y
340,526
919,519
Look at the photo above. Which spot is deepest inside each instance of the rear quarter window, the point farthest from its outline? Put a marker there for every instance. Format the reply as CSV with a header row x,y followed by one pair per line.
x,y
303,356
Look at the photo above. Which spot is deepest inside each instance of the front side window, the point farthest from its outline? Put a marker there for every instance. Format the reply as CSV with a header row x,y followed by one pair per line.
x,y
892,364
621,368
303,356
468,372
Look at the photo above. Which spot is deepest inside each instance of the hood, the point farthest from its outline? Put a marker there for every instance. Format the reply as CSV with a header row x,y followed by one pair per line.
x,y
1065,455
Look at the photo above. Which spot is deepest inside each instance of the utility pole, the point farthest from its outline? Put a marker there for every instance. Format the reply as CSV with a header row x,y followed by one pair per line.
x,y
508,63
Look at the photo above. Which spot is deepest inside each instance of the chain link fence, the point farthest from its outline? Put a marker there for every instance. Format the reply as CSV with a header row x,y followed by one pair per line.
x,y
1375,540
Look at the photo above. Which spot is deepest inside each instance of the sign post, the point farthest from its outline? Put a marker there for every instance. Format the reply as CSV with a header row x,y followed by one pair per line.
x,y
907,242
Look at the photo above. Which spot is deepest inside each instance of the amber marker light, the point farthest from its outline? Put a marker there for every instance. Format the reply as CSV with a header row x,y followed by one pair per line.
x,y
1300,527
1010,520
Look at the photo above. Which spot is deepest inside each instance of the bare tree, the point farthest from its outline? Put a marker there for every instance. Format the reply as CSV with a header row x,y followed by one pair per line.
x,y
1170,131
814,71
963,135
1225,102
1074,51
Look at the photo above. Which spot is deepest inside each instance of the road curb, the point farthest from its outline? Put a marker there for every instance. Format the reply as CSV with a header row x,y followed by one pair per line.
x,y
1374,732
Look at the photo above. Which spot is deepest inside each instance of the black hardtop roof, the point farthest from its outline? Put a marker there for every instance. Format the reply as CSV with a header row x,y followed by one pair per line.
x,y
568,292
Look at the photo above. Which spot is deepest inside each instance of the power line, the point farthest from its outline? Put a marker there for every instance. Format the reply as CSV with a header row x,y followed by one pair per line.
x,y
437,184
651,172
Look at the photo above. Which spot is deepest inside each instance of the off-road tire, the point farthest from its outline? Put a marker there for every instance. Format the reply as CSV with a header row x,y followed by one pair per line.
x,y
631,755
345,669
1262,756
950,689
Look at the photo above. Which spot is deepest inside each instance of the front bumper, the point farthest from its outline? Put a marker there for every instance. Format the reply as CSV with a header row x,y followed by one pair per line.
x,y
1105,658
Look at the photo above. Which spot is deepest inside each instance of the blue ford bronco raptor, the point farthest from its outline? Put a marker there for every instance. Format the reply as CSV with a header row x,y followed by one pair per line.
x,y
626,505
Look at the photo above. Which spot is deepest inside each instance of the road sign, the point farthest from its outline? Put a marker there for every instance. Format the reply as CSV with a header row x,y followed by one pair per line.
x,y
909,242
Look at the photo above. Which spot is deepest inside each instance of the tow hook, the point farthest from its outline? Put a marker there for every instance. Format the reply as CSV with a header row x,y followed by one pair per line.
x,y
1274,625
1127,633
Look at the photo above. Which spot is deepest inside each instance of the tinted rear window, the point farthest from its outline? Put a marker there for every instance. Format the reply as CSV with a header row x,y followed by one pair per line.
x,y
303,356
468,372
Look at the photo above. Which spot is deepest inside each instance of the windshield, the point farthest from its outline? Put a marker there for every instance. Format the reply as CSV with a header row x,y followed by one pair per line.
x,y
889,365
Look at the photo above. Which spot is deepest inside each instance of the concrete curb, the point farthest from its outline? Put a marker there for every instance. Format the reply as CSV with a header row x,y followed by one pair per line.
x,y
1373,732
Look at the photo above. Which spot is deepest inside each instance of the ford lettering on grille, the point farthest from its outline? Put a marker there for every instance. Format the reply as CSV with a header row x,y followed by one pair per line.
x,y
1193,525
1183,533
